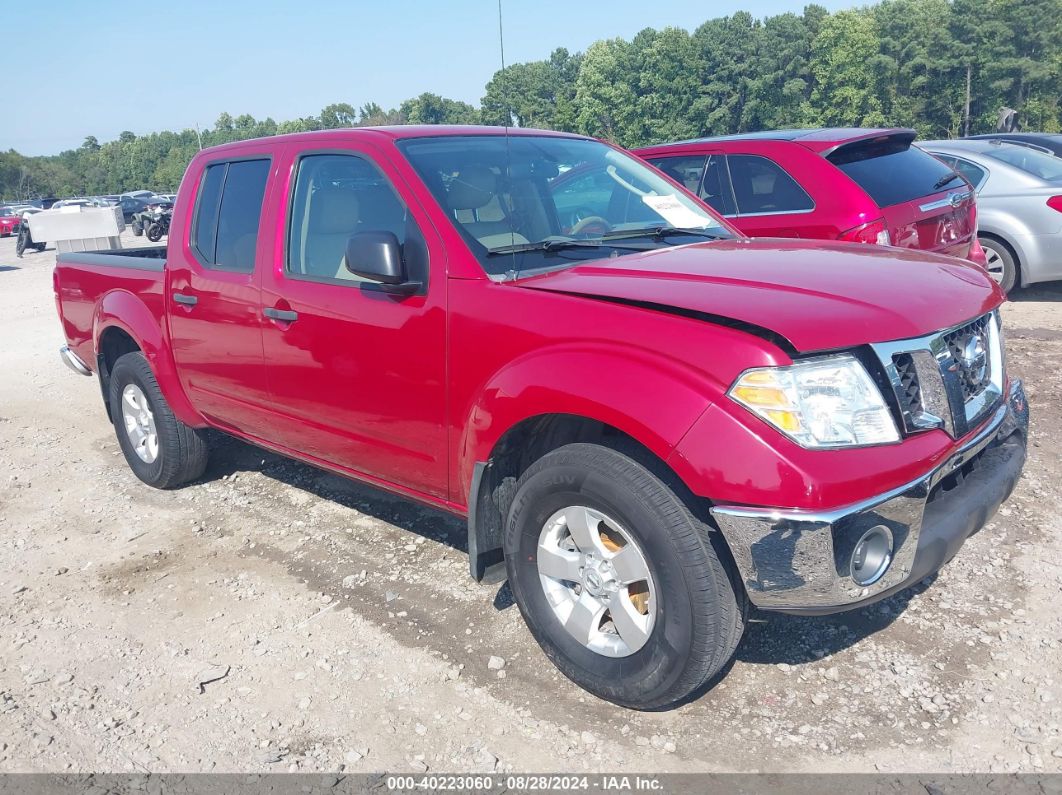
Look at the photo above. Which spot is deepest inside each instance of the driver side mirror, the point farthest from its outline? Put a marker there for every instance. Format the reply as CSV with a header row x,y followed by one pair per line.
x,y
377,256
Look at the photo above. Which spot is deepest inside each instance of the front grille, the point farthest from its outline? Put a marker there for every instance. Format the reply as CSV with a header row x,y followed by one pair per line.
x,y
948,380
969,354
910,392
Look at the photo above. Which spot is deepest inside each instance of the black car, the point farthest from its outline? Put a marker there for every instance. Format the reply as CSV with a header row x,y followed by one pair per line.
x,y
131,205
1045,142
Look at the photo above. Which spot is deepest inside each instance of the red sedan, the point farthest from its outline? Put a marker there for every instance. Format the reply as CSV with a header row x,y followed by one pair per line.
x,y
9,221
859,185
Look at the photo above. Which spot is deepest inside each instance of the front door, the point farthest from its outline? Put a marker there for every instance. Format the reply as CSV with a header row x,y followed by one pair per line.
x,y
362,373
214,300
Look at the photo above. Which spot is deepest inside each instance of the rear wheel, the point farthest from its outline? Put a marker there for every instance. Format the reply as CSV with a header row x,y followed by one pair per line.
x,y
160,449
1001,263
622,587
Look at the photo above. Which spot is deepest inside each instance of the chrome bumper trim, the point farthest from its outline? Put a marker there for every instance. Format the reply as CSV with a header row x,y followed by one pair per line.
x,y
797,559
73,361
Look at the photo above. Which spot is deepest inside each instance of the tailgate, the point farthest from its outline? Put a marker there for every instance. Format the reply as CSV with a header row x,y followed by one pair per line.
x,y
924,205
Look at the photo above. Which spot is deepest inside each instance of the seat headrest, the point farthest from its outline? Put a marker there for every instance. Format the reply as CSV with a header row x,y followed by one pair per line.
x,y
333,211
472,188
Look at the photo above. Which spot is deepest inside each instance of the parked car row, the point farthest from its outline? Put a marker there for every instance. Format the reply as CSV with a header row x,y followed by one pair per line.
x,y
995,200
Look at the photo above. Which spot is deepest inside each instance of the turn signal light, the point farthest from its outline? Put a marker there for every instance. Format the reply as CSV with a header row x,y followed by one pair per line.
x,y
1055,203
874,232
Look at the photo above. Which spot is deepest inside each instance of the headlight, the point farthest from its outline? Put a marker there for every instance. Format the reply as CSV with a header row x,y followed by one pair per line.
x,y
829,401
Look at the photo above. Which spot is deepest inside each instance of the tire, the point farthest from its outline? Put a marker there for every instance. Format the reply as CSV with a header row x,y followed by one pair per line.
x,y
40,247
695,612
154,232
180,452
20,244
1002,263
138,229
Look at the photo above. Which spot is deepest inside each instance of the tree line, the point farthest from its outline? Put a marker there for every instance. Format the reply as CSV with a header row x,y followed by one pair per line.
x,y
943,67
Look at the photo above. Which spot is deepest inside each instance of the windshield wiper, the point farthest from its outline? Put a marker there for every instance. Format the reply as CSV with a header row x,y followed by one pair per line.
x,y
558,244
940,183
660,232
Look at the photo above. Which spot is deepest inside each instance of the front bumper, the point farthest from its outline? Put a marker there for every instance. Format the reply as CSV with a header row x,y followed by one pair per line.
x,y
799,561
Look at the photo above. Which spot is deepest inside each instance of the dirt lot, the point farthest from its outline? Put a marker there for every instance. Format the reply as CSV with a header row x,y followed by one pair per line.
x,y
274,617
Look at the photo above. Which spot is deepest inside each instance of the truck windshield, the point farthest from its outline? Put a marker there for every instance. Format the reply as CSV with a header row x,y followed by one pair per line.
x,y
526,203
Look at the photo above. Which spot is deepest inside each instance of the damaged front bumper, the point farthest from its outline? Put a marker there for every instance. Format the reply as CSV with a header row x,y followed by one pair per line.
x,y
801,561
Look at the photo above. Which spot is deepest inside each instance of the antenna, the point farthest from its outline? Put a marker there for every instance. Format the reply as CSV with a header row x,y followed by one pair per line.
x,y
501,35
508,151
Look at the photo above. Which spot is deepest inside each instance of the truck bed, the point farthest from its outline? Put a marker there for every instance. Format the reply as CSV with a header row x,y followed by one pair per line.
x,y
146,257
87,282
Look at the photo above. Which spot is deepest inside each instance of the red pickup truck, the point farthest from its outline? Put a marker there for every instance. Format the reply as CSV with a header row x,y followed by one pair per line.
x,y
649,421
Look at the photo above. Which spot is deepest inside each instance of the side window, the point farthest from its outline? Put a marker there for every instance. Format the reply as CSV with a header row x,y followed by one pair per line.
x,y
704,176
227,214
975,174
762,186
335,197
686,169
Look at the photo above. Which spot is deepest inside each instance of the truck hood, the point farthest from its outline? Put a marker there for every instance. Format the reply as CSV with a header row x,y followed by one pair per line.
x,y
814,296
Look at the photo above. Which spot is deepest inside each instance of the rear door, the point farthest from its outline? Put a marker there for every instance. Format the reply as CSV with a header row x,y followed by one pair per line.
x,y
214,301
770,202
924,203
359,374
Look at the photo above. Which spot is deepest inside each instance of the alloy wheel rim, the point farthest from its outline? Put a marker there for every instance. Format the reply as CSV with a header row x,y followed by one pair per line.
x,y
140,423
597,581
993,263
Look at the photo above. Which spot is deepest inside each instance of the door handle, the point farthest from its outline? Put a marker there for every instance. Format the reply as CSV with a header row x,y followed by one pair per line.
x,y
187,300
286,315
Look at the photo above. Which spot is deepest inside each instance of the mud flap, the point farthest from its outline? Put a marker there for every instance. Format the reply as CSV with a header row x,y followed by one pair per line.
x,y
486,561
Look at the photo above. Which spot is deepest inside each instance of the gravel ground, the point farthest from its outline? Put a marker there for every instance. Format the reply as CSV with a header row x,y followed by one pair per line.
x,y
273,617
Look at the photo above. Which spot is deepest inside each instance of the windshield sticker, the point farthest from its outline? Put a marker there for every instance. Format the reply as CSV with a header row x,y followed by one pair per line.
x,y
675,212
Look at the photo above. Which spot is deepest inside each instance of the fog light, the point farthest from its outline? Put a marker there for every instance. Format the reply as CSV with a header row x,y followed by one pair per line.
x,y
872,555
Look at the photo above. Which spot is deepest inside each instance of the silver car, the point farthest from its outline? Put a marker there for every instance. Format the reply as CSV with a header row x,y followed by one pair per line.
x,y
1019,206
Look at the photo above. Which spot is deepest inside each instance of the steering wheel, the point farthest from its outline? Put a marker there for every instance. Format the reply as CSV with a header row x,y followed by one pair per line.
x,y
592,224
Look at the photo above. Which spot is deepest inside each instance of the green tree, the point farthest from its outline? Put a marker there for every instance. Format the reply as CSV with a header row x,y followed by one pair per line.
x,y
432,109
605,99
337,115
536,94
846,72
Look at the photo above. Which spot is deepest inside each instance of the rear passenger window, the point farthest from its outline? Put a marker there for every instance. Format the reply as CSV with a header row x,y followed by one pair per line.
x,y
335,197
227,214
762,186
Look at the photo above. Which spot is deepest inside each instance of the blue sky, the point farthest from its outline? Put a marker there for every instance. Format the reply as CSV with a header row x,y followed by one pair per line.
x,y
100,67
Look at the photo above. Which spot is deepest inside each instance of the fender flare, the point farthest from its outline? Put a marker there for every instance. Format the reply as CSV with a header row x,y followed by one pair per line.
x,y
124,310
617,387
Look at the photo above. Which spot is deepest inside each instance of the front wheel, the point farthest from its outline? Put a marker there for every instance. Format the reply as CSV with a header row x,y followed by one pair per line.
x,y
623,588
1000,262
155,232
20,244
160,449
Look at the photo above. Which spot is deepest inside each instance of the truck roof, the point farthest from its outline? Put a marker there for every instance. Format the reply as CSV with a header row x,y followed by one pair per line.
x,y
394,132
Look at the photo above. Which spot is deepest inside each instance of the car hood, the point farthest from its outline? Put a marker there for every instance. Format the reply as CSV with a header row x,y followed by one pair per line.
x,y
815,296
